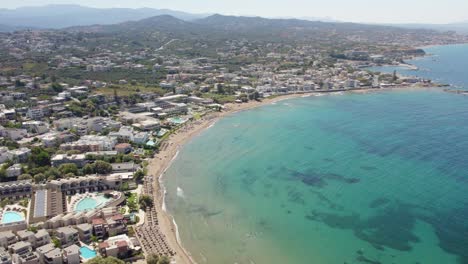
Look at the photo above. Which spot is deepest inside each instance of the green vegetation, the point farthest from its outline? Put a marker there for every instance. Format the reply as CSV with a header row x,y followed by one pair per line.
x,y
68,168
99,167
132,201
146,201
220,98
156,259
107,260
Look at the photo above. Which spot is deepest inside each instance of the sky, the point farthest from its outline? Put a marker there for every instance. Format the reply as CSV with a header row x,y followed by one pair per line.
x,y
368,11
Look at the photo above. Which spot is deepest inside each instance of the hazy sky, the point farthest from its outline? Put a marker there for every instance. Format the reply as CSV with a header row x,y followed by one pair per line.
x,y
388,11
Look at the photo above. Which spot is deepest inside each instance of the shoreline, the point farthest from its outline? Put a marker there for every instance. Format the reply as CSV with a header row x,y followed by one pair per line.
x,y
170,148
158,165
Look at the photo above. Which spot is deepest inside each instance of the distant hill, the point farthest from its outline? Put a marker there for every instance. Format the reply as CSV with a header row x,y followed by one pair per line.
x,y
461,27
220,27
10,28
62,16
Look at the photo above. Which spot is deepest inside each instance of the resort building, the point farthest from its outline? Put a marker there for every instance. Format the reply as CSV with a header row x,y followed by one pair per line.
x,y
67,236
26,258
53,257
78,159
7,238
16,189
117,246
41,251
26,236
41,238
20,248
71,254
5,257
85,231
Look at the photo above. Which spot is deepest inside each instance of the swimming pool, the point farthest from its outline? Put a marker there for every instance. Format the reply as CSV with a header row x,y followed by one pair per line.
x,y
10,217
87,253
177,120
90,203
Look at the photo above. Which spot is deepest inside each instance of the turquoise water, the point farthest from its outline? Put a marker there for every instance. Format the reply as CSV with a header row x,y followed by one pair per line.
x,y
87,253
354,178
89,203
177,120
447,65
10,217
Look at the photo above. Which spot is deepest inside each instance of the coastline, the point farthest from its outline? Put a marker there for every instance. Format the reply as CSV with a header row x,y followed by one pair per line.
x,y
168,153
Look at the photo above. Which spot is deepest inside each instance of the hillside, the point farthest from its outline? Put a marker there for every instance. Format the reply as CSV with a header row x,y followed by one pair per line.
x,y
62,16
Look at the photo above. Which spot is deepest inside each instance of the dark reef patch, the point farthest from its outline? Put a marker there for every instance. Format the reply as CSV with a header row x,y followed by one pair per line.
x,y
324,199
368,168
390,227
451,228
204,211
319,180
379,202
296,197
364,259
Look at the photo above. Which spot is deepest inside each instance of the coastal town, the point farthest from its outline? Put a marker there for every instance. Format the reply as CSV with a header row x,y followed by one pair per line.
x,y
88,128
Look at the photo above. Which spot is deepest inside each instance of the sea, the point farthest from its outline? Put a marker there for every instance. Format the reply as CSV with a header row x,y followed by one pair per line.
x,y
373,178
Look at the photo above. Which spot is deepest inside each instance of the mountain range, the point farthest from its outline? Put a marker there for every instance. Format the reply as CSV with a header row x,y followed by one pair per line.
x,y
63,16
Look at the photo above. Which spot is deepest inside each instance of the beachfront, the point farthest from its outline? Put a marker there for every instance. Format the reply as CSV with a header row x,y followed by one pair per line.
x,y
168,152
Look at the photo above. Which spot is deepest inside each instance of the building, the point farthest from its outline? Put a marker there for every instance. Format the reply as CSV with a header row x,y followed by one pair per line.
x,y
13,171
71,254
26,236
123,148
91,143
124,167
67,236
35,113
78,159
117,246
26,258
20,248
44,249
16,189
85,231
5,257
53,257
7,238
41,237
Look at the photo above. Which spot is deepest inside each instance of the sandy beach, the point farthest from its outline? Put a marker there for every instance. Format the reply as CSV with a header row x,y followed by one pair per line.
x,y
168,151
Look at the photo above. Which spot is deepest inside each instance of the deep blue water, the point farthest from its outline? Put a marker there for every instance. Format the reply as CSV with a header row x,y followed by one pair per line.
x,y
444,64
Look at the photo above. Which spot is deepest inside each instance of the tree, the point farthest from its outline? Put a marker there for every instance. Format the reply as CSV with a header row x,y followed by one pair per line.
x,y
39,178
24,177
102,167
40,157
146,201
108,260
88,169
152,259
68,168
138,176
56,87
56,242
164,260
52,173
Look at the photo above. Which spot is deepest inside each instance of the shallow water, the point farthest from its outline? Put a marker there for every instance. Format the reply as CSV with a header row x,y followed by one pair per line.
x,y
354,178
